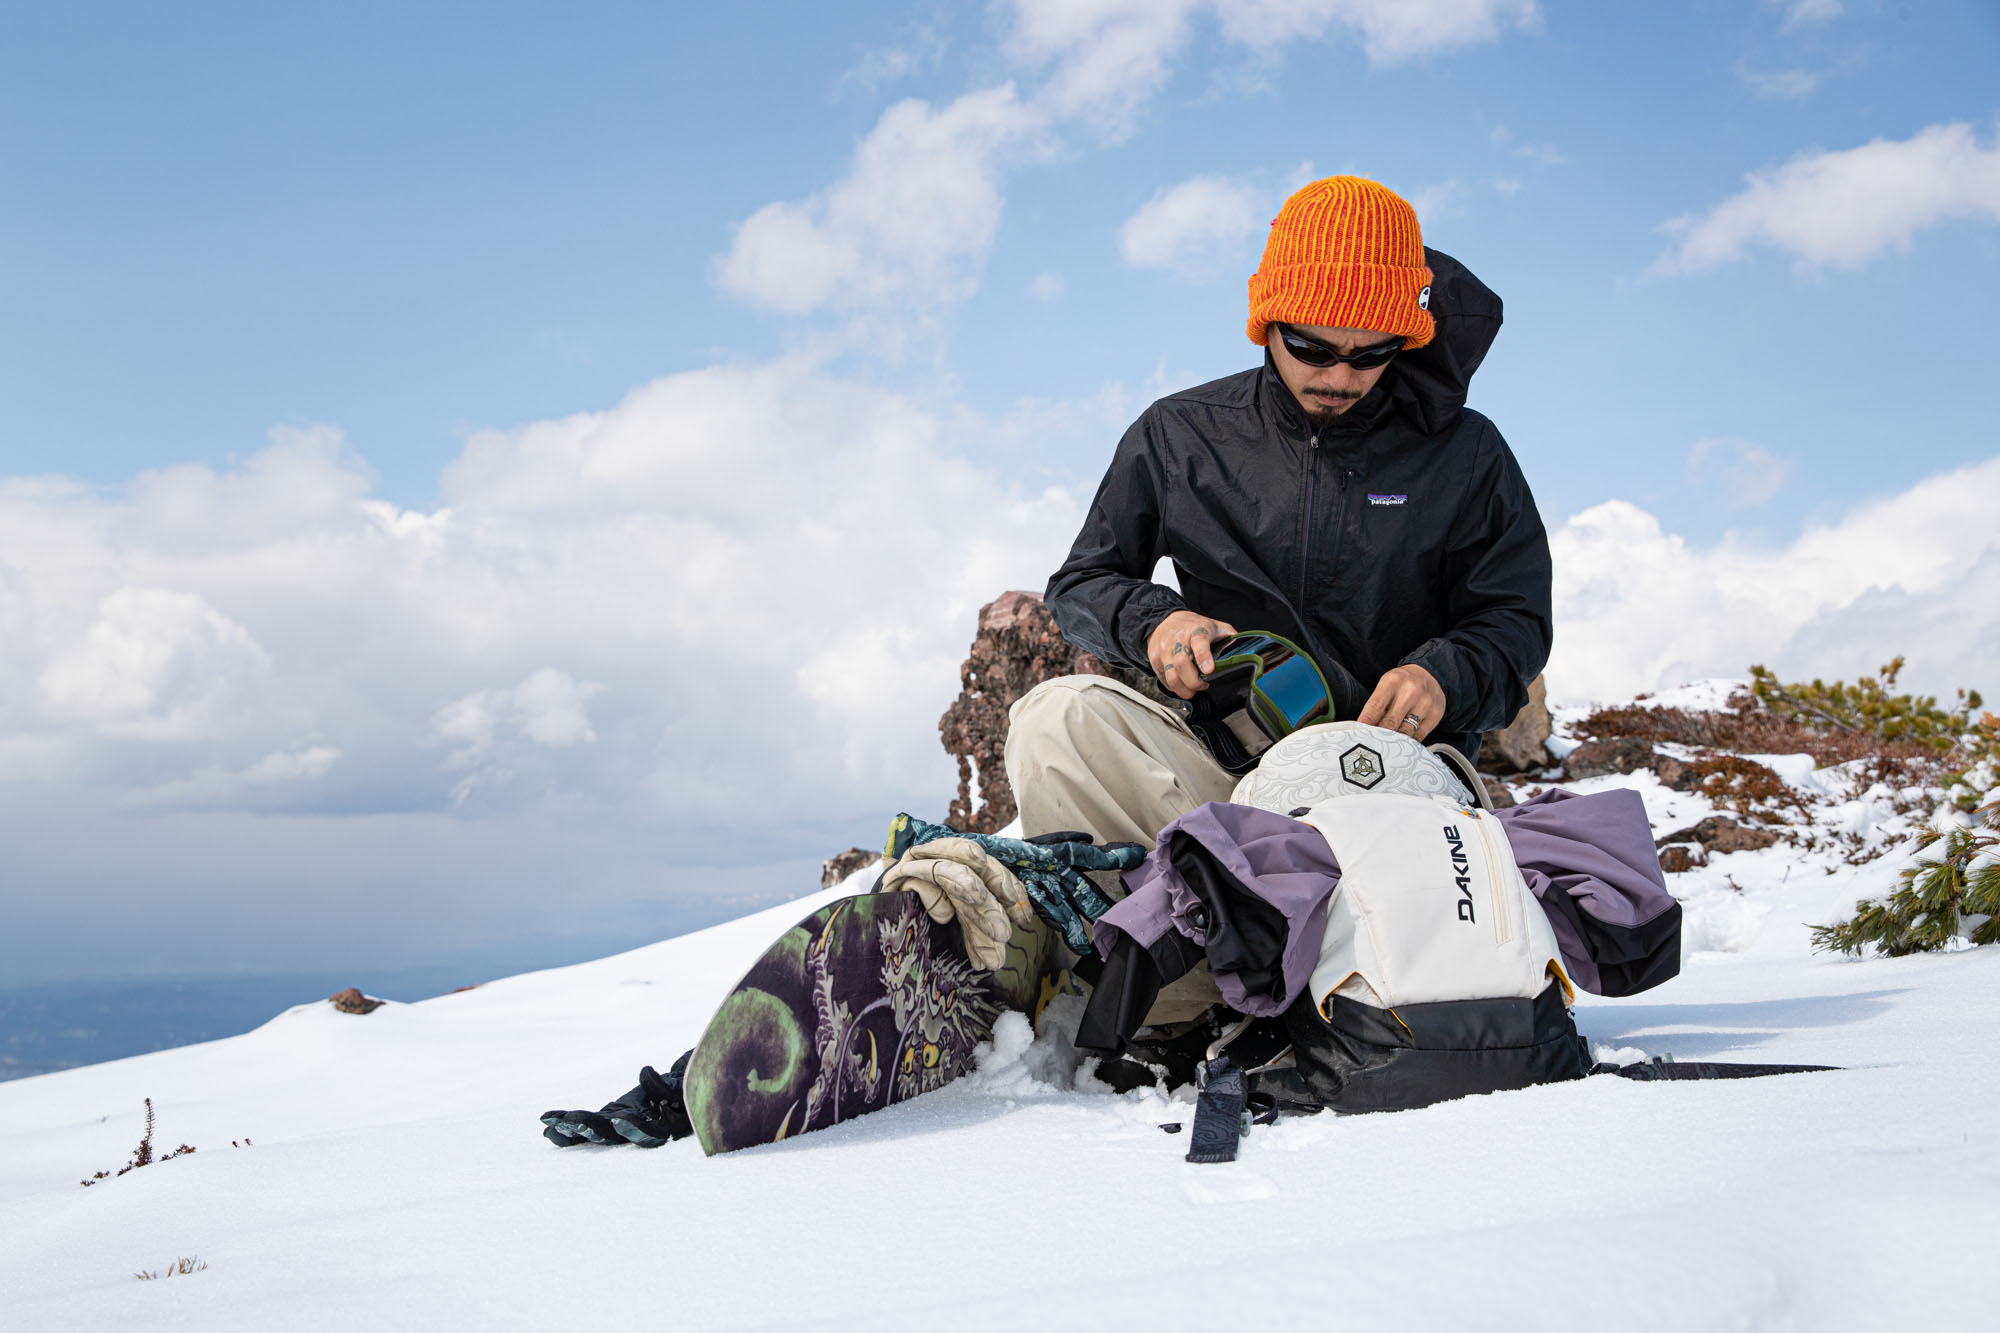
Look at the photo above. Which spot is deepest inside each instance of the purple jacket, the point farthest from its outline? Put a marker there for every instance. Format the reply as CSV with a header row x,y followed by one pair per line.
x,y
1592,865
1277,861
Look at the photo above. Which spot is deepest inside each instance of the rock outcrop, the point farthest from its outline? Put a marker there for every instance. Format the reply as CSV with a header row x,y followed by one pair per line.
x,y
1681,857
1521,745
1017,648
1612,754
1719,834
837,868
352,1001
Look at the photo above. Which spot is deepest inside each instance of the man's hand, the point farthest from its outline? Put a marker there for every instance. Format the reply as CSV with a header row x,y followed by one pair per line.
x,y
1179,650
1405,693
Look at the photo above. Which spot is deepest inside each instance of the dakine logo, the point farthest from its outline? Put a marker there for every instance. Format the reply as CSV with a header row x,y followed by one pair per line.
x,y
1461,871
1361,766
1375,499
1424,298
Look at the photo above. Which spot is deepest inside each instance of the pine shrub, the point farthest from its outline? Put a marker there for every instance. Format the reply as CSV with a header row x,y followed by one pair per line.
x,y
1954,888
1871,706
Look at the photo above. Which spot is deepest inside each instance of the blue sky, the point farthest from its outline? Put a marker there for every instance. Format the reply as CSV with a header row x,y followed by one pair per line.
x,y
390,396
412,225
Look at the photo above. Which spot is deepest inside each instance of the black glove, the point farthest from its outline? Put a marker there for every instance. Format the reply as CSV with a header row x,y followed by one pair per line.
x,y
649,1115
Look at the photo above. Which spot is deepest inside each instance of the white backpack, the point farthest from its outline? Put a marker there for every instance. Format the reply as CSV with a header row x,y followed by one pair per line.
x,y
1438,974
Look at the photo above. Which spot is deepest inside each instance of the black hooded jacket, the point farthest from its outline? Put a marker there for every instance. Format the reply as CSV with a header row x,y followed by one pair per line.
x,y
1401,532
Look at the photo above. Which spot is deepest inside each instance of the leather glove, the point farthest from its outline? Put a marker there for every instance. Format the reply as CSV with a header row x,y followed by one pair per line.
x,y
1050,867
957,880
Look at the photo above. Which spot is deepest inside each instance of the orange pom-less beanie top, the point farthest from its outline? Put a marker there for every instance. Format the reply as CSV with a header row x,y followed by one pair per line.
x,y
1344,253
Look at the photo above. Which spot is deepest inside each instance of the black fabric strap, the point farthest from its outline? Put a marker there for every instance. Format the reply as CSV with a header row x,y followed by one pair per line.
x,y
1670,1071
1218,1113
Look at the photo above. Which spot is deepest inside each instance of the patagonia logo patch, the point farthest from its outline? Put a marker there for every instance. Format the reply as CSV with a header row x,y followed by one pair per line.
x,y
1375,499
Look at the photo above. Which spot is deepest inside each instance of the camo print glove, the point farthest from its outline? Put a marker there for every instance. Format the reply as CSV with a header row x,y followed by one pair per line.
x,y
1050,867
957,880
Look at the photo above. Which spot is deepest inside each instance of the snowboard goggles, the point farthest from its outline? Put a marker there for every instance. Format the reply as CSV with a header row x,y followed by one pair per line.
x,y
1312,352
1263,689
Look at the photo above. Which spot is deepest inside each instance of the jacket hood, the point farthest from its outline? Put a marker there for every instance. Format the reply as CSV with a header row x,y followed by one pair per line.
x,y
1432,381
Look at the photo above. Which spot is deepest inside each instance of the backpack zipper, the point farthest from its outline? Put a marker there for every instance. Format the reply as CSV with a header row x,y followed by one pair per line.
x,y
1502,921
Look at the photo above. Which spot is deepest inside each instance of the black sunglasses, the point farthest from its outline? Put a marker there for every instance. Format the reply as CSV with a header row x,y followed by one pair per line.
x,y
1313,352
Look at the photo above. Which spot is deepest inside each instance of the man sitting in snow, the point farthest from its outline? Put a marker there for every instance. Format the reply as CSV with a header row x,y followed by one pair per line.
x,y
1340,495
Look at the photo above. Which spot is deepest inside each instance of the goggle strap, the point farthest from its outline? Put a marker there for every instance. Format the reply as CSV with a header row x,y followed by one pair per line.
x,y
1244,727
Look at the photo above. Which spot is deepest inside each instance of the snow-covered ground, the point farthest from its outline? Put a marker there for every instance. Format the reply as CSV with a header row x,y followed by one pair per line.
x,y
396,1178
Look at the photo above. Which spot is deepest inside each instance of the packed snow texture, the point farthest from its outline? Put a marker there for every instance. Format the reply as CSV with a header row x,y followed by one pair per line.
x,y
392,1173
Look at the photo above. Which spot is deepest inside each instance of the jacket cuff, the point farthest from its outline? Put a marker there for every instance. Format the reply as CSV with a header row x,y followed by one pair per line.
x,y
1140,616
1440,657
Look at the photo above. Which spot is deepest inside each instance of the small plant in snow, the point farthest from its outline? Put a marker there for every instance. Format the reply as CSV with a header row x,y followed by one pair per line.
x,y
1953,889
143,1154
188,1264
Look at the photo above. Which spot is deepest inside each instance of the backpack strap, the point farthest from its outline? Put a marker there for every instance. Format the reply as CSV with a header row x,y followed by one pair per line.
x,y
1462,769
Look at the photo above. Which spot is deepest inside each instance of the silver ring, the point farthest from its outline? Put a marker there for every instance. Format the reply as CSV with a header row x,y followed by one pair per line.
x,y
1413,721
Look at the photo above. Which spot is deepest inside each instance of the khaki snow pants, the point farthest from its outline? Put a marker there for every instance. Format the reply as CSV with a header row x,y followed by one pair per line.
x,y
1087,753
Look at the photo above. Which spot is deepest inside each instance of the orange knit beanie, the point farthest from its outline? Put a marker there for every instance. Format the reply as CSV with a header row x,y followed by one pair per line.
x,y
1344,253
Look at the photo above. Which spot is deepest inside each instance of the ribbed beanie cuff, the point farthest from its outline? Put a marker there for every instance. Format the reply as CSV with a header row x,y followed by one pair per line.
x,y
1345,253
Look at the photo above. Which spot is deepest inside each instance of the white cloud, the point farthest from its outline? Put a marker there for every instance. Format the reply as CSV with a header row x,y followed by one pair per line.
x,y
921,46
155,664
905,229
1103,58
1545,153
1741,474
1435,201
1195,227
265,785
1842,208
1391,31
903,235
302,765
742,588
1784,83
1637,608
1047,287
1805,13
548,708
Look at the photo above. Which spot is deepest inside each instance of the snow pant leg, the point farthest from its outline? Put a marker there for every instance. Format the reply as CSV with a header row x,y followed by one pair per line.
x,y
1087,753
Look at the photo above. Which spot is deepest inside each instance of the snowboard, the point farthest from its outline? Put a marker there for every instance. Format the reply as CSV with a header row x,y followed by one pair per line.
x,y
865,1003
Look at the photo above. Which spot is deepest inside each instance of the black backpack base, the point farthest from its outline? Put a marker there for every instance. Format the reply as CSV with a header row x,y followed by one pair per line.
x,y
1361,1058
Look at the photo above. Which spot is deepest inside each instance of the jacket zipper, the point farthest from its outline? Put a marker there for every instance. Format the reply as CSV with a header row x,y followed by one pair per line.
x,y
1340,517
1305,542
